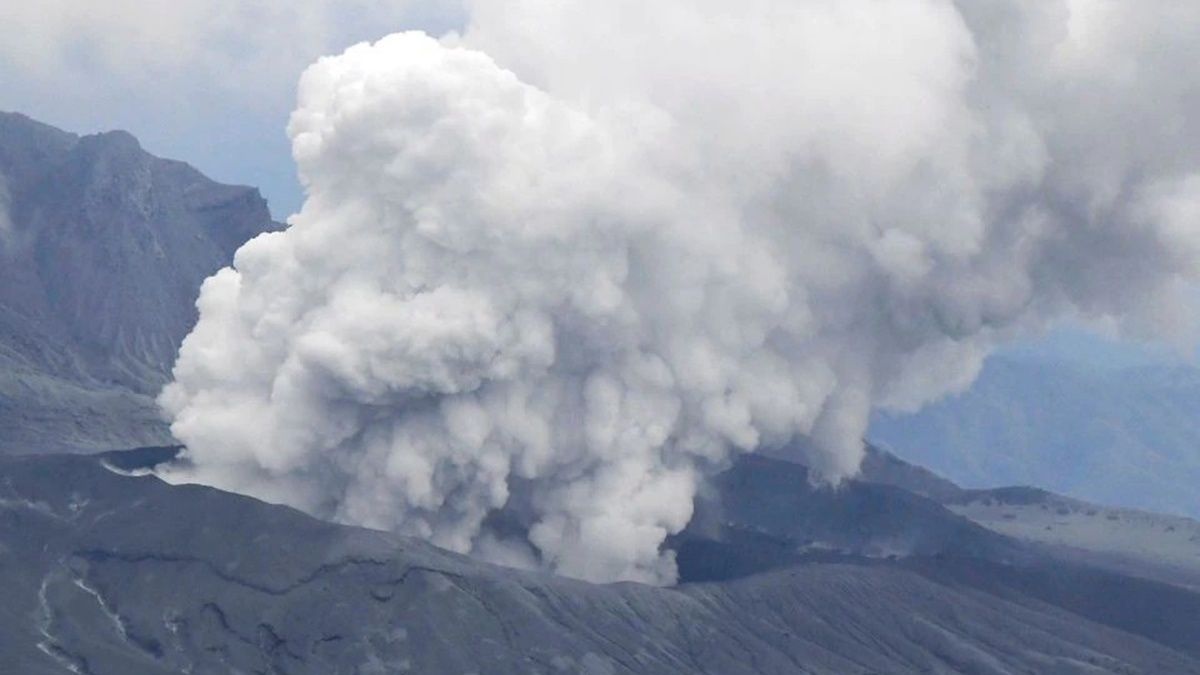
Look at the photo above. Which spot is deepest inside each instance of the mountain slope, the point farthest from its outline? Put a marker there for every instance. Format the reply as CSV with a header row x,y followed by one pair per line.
x,y
763,514
111,573
103,248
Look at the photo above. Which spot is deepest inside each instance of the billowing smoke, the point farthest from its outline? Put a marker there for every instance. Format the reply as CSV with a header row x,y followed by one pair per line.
x,y
579,254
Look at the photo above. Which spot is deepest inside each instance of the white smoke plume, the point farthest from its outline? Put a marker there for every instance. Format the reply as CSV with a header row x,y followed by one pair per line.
x,y
584,251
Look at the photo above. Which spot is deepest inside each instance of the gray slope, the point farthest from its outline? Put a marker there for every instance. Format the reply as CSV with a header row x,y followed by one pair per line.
x,y
764,513
103,248
106,573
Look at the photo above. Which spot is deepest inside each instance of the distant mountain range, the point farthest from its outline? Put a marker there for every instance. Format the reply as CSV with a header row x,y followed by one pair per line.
x,y
1127,435
102,251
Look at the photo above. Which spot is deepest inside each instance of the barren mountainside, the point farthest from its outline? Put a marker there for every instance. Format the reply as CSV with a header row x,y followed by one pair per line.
x,y
103,247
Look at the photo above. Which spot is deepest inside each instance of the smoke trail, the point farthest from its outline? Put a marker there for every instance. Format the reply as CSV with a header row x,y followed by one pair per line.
x,y
577,255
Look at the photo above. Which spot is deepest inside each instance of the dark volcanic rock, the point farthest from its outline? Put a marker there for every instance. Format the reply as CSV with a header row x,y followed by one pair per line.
x,y
764,513
103,249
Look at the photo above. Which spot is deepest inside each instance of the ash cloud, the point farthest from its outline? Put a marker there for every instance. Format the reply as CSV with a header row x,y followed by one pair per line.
x,y
584,252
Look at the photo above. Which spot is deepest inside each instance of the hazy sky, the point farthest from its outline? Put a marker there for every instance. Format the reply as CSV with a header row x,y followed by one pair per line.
x,y
210,82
